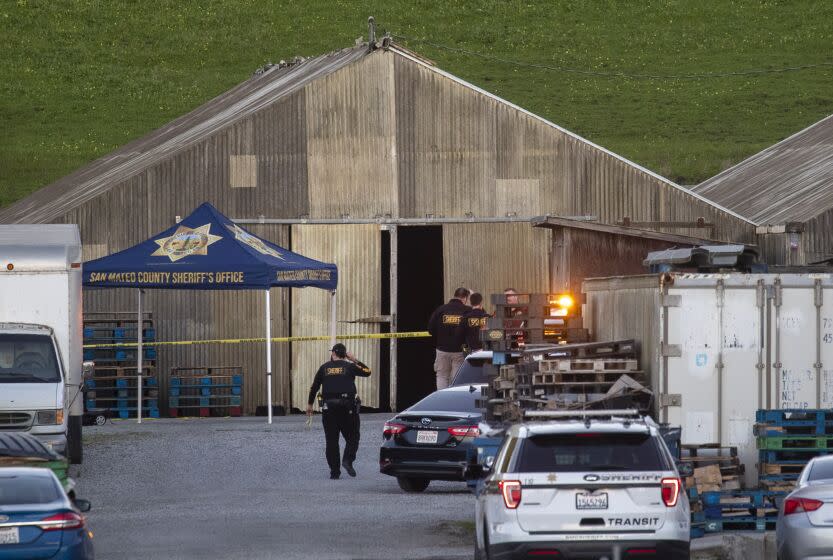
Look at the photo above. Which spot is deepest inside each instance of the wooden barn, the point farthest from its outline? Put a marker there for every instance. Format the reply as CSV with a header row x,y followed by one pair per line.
x,y
787,190
410,179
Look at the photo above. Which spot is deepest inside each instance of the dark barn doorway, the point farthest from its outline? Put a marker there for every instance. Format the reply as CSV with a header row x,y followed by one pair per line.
x,y
419,292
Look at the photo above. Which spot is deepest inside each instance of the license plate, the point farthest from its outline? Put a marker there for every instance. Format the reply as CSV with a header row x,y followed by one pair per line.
x,y
10,535
591,501
427,436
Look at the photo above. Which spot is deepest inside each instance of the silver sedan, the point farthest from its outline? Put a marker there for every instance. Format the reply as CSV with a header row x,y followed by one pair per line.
x,y
805,520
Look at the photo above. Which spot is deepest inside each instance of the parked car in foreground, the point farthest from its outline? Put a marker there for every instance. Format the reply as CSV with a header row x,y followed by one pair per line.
x,y
805,518
600,486
25,450
432,440
38,520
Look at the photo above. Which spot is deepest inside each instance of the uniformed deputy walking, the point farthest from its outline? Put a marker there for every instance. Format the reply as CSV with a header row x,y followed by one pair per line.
x,y
340,408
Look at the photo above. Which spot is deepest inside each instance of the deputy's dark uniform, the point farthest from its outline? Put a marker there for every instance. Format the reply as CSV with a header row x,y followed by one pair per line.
x,y
339,413
469,330
444,322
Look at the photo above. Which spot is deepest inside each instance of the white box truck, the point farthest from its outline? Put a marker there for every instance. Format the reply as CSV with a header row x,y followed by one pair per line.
x,y
719,347
41,329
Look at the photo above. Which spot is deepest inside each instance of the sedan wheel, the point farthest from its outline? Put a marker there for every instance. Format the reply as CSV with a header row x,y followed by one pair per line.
x,y
413,485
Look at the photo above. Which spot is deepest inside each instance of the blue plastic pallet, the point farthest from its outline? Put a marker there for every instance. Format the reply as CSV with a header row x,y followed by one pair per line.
x,y
146,412
790,456
794,414
749,523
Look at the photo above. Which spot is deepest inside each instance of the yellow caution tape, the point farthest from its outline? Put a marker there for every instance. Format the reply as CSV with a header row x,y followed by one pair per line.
x,y
420,334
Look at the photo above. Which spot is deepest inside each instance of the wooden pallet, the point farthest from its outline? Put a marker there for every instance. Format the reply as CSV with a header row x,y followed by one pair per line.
x,y
589,376
589,365
775,468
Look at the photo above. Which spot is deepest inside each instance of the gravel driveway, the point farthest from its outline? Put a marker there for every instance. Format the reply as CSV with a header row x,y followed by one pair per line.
x,y
237,488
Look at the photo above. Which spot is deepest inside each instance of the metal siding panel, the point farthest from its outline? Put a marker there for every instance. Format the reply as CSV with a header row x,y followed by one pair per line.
x,y
450,154
351,141
490,257
355,249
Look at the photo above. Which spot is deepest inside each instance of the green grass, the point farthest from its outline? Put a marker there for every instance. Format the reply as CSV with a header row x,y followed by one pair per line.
x,y
80,78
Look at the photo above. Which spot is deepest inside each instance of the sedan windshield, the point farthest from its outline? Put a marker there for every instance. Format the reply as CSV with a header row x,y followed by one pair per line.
x,y
28,358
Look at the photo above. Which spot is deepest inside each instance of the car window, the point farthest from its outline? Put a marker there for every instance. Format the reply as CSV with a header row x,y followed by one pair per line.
x,y
821,470
591,451
471,372
451,401
26,358
28,490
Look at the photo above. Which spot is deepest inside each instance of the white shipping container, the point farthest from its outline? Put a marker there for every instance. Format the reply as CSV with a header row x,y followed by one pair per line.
x,y
718,347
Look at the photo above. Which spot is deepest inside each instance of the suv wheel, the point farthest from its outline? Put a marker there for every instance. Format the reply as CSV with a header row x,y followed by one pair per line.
x,y
413,485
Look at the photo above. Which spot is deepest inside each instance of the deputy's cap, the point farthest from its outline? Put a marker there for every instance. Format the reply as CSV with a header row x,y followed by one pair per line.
x,y
339,349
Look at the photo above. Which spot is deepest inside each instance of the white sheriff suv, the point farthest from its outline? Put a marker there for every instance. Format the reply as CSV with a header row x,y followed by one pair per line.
x,y
587,484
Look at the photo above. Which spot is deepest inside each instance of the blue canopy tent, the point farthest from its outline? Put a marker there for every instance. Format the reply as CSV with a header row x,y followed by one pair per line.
x,y
207,251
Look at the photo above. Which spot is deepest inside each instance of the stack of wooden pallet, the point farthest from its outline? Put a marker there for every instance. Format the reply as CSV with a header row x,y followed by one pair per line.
x,y
581,381
523,320
715,467
787,440
562,377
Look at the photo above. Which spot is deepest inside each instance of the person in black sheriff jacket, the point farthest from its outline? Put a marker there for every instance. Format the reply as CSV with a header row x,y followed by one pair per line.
x,y
340,407
443,327
473,322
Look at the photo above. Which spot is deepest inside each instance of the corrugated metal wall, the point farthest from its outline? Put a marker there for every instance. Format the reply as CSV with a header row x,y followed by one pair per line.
x,y
489,257
818,237
773,248
580,253
621,308
357,254
351,150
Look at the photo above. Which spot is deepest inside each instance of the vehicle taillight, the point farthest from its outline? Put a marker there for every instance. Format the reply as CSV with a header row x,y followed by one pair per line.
x,y
511,490
642,552
62,521
797,505
463,431
671,491
392,428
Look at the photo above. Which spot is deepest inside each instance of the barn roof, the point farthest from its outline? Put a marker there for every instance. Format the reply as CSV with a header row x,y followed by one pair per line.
x,y
259,91
55,200
788,182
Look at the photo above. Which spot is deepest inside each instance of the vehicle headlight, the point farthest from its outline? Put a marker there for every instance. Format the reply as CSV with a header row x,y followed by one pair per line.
x,y
51,417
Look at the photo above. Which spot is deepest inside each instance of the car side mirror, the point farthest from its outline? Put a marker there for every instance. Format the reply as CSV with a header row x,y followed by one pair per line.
x,y
685,469
83,505
87,370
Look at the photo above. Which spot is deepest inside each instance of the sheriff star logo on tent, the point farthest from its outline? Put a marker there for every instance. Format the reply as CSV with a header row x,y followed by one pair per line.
x,y
184,242
254,242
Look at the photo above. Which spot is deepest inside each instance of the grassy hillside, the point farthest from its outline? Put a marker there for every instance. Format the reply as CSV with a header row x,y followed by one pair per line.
x,y
79,78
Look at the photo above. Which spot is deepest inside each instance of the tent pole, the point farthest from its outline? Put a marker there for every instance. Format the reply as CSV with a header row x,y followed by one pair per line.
x,y
268,359
139,328
332,318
